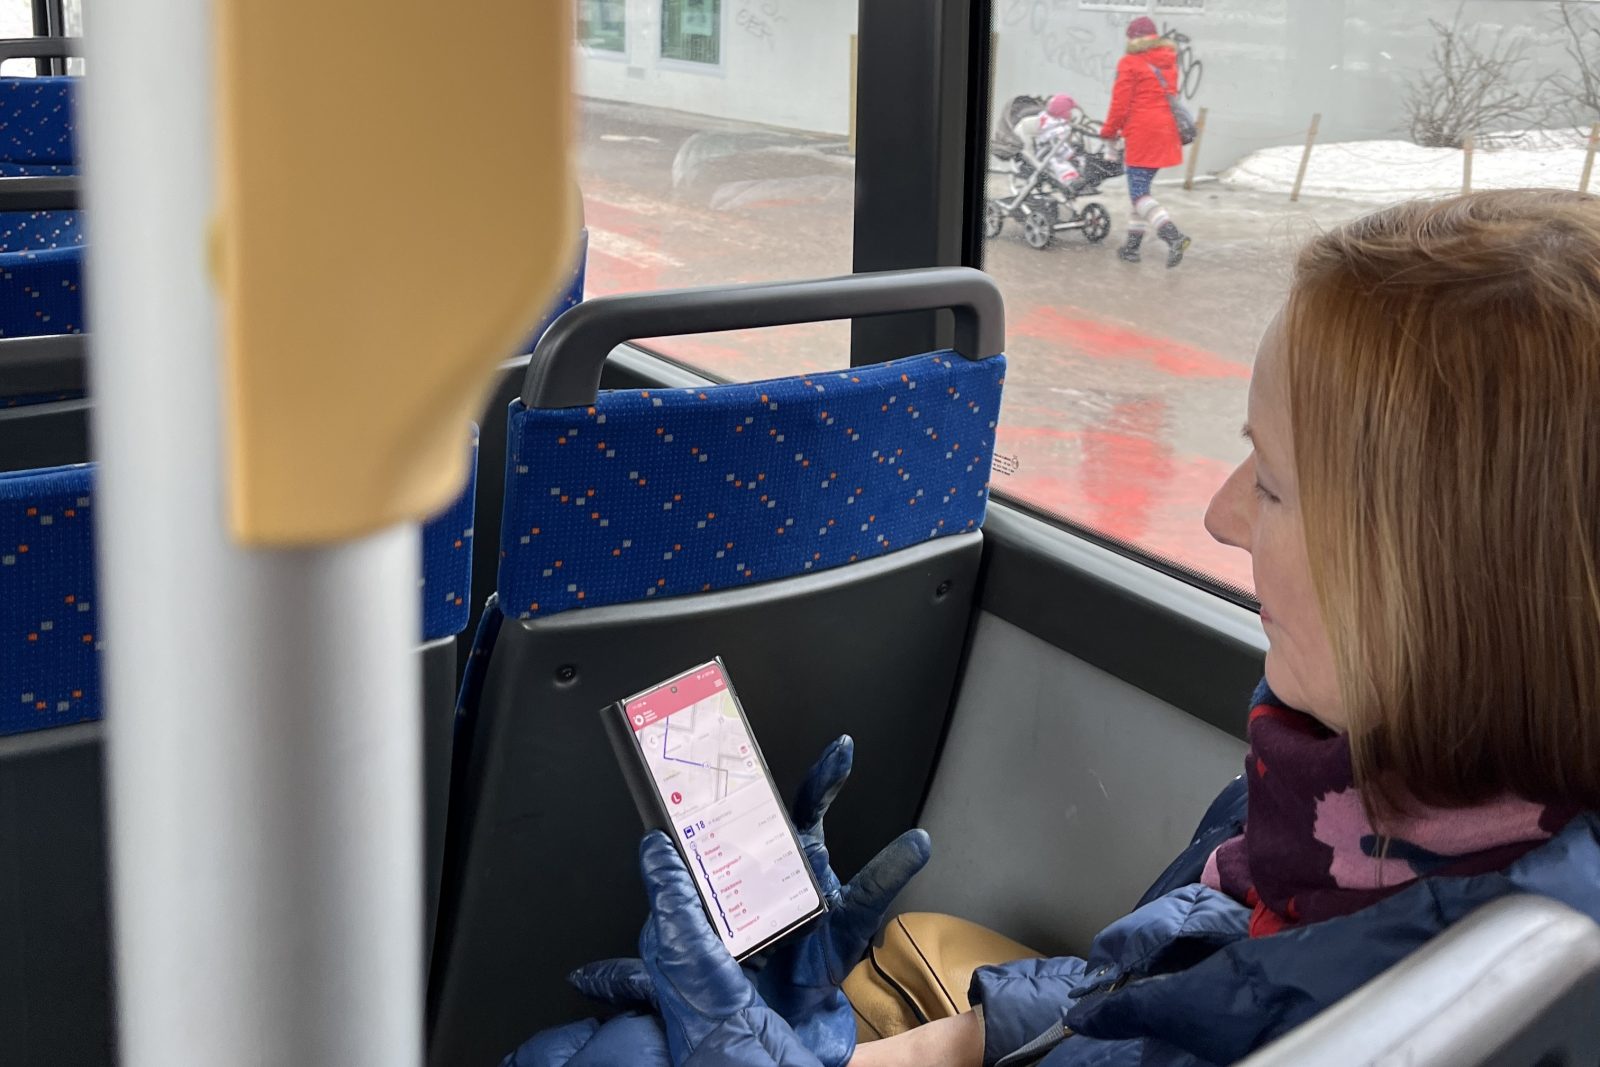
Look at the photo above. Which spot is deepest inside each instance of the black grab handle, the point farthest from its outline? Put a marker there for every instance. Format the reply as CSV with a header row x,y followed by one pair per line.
x,y
40,48
566,364
49,193
32,366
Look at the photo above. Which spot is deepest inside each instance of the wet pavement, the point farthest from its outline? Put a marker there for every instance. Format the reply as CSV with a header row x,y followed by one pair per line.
x,y
1126,386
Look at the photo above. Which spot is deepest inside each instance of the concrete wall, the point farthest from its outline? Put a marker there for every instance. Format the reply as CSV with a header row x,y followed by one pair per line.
x,y
1262,67
783,63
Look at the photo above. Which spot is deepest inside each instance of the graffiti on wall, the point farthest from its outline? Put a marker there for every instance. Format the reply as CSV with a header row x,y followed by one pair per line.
x,y
1086,50
1074,48
1190,69
760,19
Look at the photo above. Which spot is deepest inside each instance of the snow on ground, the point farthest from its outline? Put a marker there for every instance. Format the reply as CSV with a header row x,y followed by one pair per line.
x,y
1386,171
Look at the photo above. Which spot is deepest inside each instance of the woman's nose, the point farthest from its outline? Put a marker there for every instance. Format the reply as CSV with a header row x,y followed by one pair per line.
x,y
1228,514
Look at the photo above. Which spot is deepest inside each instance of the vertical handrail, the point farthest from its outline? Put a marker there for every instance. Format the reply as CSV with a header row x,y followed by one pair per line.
x,y
263,756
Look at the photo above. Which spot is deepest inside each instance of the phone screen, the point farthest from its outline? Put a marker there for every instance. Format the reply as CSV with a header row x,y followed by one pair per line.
x,y
729,822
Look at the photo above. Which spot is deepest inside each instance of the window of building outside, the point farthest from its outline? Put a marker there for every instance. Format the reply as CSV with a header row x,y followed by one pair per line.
x,y
1127,380
602,24
742,177
691,30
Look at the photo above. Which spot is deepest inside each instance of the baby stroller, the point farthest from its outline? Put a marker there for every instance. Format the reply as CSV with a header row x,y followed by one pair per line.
x,y
1039,198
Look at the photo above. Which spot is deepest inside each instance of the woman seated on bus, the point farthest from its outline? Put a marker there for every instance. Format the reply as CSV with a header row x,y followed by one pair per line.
x,y
1422,510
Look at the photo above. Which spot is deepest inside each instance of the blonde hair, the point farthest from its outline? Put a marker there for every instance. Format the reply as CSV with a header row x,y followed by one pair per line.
x,y
1444,381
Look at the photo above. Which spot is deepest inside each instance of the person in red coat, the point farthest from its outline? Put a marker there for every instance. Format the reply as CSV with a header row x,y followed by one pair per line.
x,y
1141,114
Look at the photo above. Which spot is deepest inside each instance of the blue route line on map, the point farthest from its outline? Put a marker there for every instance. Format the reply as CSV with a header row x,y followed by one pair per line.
x,y
666,728
715,899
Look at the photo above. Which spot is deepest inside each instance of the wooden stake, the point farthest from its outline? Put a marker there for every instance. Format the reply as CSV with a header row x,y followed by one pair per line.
x,y
854,50
1194,149
1588,158
1466,164
1305,160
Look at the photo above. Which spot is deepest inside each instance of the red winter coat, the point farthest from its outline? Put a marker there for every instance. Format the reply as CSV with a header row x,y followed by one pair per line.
x,y
1140,113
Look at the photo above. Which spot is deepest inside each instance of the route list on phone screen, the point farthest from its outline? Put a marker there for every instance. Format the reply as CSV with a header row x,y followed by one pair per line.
x,y
730,824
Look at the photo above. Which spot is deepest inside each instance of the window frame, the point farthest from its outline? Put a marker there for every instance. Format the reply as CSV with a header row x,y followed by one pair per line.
x,y
49,20
922,121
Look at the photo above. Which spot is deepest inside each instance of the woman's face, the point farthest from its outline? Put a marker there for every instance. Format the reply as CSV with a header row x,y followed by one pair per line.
x,y
1258,509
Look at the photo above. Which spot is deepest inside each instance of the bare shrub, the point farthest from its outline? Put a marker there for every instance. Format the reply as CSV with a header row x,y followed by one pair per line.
x,y
1476,82
1575,92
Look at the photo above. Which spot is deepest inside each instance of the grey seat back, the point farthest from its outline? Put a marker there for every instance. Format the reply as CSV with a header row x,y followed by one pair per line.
x,y
672,559
1515,984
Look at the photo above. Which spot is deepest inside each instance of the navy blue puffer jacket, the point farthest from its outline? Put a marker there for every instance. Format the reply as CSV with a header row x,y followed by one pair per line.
x,y
1179,983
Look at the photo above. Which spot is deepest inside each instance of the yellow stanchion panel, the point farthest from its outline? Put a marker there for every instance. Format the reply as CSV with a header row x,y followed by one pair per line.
x,y
396,211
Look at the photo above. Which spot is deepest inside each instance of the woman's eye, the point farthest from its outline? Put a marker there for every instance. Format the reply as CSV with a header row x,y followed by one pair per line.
x,y
1263,493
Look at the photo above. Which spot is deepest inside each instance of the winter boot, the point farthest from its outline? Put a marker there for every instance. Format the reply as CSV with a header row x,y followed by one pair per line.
x,y
1177,243
1129,253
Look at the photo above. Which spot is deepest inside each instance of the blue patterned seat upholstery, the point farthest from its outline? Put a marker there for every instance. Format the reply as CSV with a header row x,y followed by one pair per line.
x,y
33,231
49,637
38,126
446,581
41,266
662,493
41,292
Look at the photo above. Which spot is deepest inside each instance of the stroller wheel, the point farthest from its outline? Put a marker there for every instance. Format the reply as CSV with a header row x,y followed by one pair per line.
x,y
1037,230
1096,223
994,219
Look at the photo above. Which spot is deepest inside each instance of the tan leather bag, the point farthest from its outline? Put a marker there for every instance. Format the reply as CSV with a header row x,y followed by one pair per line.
x,y
919,969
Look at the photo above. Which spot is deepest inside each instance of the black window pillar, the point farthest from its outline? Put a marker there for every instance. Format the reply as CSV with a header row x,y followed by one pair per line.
x,y
49,20
922,87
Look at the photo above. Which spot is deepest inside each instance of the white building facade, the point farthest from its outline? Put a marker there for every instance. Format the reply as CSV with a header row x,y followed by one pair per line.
x,y
1261,68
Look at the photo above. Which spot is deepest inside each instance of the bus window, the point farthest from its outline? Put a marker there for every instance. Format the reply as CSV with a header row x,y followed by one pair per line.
x,y
16,20
715,147
72,12
1128,378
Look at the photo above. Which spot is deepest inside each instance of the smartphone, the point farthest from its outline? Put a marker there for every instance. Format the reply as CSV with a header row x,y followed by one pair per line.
x,y
696,772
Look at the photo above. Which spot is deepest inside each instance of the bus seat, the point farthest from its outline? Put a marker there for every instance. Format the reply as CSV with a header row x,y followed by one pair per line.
x,y
38,121
55,984
445,585
491,459
821,533
41,292
37,139
35,231
50,651
1515,984
55,971
44,415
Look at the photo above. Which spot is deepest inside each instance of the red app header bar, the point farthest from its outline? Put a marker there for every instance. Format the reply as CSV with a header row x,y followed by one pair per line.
x,y
672,697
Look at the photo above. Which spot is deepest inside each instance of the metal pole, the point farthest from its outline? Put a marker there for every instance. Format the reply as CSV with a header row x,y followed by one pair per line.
x,y
855,44
1194,149
1466,164
263,746
1305,158
1588,157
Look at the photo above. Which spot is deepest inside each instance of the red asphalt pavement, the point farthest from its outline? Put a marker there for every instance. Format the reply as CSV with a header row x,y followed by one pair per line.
x,y
1126,386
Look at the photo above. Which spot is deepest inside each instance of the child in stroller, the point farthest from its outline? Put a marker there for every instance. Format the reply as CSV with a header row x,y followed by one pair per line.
x,y
1044,147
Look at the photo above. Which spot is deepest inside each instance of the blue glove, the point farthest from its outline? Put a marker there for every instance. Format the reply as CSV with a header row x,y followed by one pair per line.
x,y
802,975
712,1014
624,1041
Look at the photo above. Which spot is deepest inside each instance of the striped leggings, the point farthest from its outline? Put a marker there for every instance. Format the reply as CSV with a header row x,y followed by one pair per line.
x,y
1147,210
